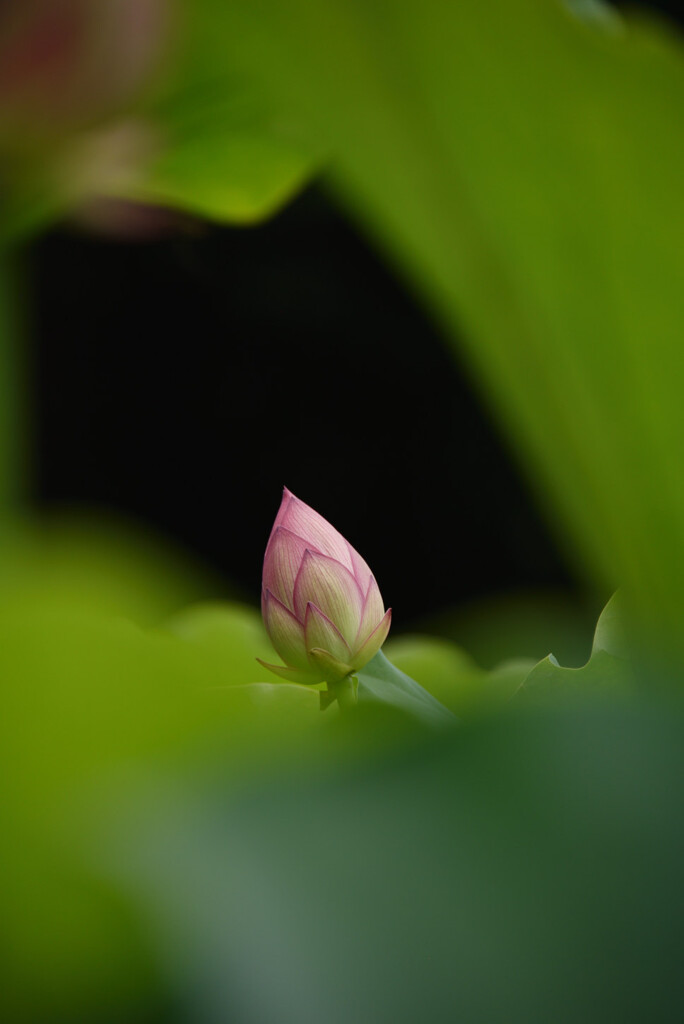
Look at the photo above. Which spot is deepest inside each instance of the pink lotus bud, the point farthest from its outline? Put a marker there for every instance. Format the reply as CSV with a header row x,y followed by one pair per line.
x,y
321,605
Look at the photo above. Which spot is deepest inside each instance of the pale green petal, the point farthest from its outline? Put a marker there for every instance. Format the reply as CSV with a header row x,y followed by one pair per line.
x,y
332,588
285,632
294,675
320,632
373,611
331,669
374,641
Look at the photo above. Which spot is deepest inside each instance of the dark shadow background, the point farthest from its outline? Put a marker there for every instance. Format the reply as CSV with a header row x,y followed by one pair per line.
x,y
183,381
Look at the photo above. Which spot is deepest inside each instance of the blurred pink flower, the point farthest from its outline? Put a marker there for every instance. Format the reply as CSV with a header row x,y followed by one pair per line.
x,y
321,605
64,63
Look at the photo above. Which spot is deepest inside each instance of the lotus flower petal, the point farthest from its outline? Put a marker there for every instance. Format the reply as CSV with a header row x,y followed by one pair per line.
x,y
284,504
320,632
294,675
330,668
319,535
360,569
373,611
374,642
334,591
286,633
284,554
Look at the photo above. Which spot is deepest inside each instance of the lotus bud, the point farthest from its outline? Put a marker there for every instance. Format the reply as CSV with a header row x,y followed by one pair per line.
x,y
321,605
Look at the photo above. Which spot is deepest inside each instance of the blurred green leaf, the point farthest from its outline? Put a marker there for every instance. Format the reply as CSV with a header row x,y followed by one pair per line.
x,y
226,150
451,675
613,633
523,869
202,139
518,624
524,167
221,152
454,678
97,563
31,197
233,635
602,670
612,664
13,386
90,699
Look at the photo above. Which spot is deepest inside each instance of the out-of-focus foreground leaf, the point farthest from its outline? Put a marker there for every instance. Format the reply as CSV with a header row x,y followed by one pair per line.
x,y
93,686
12,386
525,168
453,677
99,564
219,148
197,135
526,868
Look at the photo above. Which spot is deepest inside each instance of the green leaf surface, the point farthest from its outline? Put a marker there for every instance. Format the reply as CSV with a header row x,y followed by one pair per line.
x,y
380,681
451,675
222,153
612,665
226,148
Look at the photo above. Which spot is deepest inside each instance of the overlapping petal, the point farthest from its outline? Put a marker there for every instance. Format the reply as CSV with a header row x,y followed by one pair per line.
x,y
285,631
319,535
323,581
373,611
330,668
360,569
322,634
374,642
282,560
